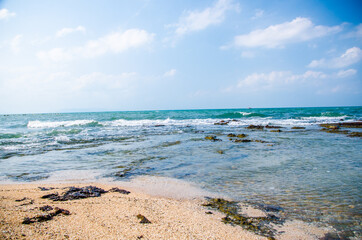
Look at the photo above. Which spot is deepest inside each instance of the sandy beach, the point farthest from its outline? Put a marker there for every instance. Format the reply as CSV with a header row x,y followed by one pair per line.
x,y
116,215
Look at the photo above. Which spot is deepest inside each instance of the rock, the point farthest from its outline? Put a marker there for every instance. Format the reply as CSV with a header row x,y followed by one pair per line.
x,y
242,140
231,135
159,125
212,138
298,127
355,134
115,189
259,141
241,135
258,127
222,122
342,124
220,151
143,219
20,200
271,126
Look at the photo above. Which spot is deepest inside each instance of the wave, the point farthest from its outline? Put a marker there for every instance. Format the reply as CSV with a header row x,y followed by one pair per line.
x,y
241,115
40,124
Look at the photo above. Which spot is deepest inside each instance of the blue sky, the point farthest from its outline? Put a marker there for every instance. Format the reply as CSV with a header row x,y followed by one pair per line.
x,y
60,56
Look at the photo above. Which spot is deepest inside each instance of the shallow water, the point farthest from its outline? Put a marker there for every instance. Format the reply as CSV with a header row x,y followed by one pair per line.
x,y
313,175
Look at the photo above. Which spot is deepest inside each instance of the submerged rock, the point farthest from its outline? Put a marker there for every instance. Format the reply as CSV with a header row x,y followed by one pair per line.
x,y
343,124
220,151
355,134
278,130
231,135
298,127
76,193
212,138
242,140
222,122
258,127
271,126
242,135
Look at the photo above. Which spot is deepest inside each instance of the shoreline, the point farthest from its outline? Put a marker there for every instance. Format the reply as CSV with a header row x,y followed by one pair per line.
x,y
115,215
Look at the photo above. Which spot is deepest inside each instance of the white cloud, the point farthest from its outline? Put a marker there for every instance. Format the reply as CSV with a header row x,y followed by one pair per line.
x,y
351,56
15,42
258,14
298,30
276,79
65,31
170,73
356,33
192,21
116,42
5,14
346,73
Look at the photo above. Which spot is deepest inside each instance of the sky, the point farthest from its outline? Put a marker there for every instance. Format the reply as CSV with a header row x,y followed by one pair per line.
x,y
87,55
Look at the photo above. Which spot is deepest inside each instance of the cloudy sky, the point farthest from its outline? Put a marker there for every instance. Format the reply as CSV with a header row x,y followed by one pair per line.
x,y
84,55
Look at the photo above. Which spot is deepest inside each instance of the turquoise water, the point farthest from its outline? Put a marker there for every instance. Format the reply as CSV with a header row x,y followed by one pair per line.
x,y
315,176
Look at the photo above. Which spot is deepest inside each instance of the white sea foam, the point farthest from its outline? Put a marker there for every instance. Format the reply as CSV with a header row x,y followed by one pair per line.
x,y
46,124
245,113
62,138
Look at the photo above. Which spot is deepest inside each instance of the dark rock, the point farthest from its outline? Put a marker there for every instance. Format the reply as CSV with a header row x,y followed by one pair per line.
x,y
222,122
258,127
260,141
220,151
159,125
231,135
115,189
76,193
208,212
46,208
143,219
342,124
242,140
61,211
271,126
212,138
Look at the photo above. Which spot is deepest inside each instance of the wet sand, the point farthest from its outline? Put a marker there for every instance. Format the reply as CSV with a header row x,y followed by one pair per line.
x,y
113,215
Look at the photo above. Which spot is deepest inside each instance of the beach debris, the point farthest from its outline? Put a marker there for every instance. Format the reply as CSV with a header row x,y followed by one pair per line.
x,y
143,219
278,130
258,225
45,217
20,200
46,208
222,122
76,193
271,126
122,191
257,127
45,188
212,138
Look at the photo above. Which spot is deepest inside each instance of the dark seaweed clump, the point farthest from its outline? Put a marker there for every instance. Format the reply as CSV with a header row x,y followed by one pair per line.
x,y
46,217
258,225
76,193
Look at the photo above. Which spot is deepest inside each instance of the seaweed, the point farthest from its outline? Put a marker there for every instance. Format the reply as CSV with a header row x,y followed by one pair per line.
x,y
76,193
46,217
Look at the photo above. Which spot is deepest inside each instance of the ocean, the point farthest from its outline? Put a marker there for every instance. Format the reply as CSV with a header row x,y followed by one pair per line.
x,y
312,175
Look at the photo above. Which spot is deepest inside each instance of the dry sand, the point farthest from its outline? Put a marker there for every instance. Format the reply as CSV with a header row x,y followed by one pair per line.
x,y
114,216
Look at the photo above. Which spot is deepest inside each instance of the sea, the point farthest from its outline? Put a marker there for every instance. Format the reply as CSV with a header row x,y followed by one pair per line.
x,y
313,175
